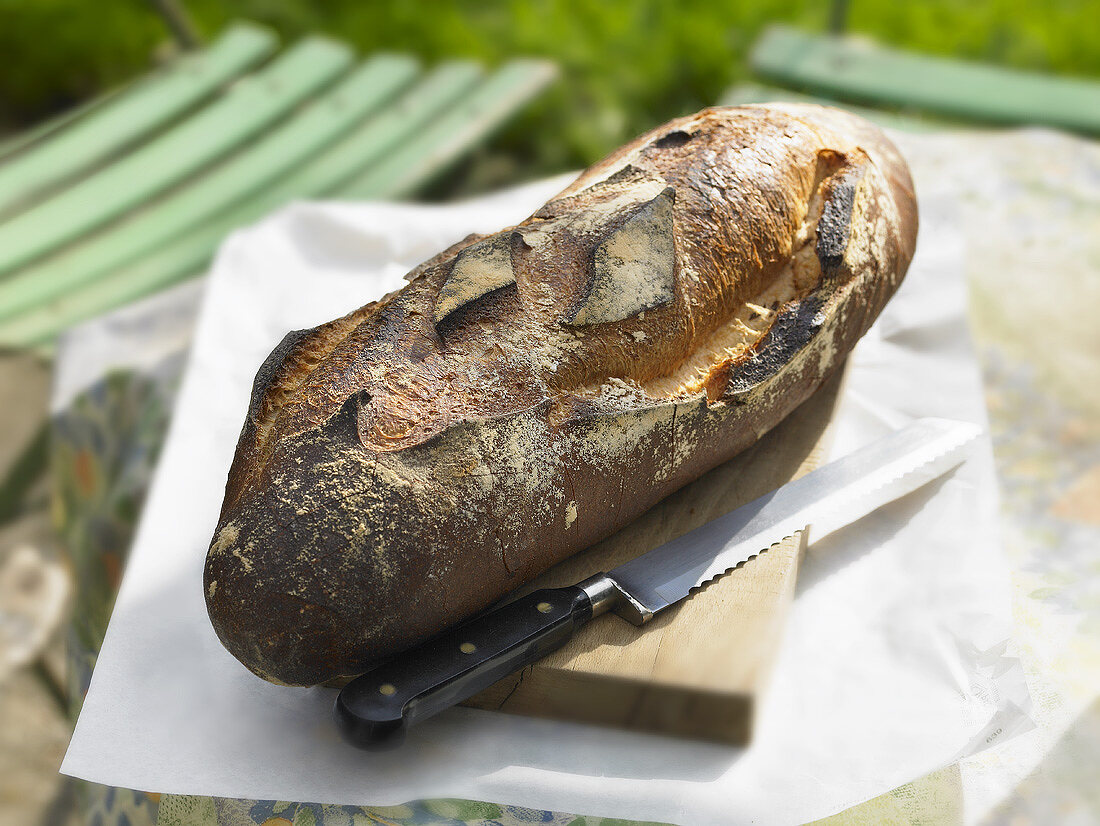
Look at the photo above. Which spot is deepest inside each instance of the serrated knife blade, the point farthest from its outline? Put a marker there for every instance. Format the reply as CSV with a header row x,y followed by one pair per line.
x,y
376,708
828,498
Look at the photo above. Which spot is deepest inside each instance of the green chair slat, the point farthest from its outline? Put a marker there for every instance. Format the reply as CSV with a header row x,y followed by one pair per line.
x,y
428,109
755,93
244,174
381,136
14,144
446,139
852,69
376,138
128,117
251,105
37,328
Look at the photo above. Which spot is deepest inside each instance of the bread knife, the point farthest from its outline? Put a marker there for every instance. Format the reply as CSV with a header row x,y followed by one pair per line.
x,y
375,709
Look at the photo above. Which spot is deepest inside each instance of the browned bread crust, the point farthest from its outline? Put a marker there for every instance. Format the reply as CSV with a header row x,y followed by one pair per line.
x,y
530,392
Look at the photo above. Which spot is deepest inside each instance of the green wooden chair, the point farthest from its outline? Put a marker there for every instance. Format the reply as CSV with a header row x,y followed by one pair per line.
x,y
841,68
108,125
134,192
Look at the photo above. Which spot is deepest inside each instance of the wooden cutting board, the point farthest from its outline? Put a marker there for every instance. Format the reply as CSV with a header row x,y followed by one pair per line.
x,y
698,668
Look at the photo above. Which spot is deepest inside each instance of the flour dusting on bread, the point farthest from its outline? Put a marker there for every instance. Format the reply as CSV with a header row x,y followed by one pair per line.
x,y
529,392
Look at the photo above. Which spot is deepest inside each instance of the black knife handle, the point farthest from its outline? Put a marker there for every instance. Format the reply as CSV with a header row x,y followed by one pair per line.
x,y
375,709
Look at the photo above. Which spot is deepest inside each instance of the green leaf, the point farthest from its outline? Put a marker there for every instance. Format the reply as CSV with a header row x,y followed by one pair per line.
x,y
465,810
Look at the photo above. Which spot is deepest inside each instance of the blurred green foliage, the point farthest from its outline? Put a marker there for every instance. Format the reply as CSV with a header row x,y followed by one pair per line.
x,y
626,65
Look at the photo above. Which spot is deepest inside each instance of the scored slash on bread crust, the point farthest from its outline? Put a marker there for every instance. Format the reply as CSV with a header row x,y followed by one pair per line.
x,y
530,392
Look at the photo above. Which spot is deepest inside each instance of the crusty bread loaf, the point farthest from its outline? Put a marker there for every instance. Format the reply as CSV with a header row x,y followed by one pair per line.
x,y
529,392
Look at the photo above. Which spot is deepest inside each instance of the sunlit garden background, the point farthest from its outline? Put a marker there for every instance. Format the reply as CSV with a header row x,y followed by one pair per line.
x,y
626,65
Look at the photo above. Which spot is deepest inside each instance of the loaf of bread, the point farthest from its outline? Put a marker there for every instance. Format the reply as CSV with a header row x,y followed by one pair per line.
x,y
530,392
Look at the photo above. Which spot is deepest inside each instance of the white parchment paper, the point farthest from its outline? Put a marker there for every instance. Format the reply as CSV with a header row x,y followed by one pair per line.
x,y
894,661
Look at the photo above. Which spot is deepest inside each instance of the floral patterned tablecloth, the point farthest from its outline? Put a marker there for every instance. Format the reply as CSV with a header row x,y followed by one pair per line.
x,y
1030,204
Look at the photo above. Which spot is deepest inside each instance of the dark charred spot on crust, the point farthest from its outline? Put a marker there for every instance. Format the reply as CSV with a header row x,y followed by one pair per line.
x,y
344,424
672,140
834,227
270,368
790,332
